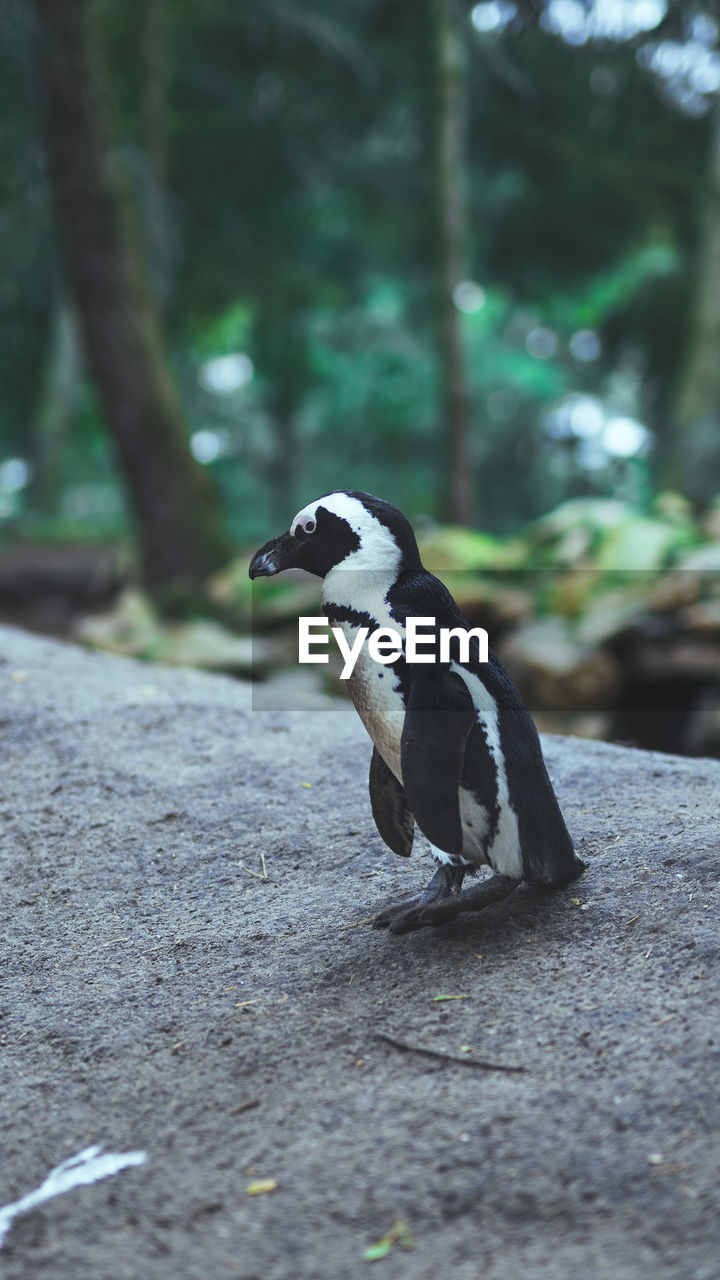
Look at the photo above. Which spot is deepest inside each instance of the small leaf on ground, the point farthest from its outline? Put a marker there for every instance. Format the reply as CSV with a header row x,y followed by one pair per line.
x,y
260,1186
378,1250
399,1233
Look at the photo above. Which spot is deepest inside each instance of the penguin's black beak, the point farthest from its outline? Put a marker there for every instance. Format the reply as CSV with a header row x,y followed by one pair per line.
x,y
276,555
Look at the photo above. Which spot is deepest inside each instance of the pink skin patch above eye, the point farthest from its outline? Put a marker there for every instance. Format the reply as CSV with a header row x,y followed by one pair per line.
x,y
308,524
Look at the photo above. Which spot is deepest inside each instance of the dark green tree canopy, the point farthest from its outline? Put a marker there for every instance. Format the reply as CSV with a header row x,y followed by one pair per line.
x,y
280,156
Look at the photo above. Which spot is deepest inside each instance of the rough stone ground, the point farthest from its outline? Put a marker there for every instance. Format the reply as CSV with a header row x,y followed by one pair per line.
x,y
157,995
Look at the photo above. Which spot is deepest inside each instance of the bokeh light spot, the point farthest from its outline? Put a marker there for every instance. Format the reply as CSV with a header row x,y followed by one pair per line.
x,y
205,446
590,455
492,15
14,474
625,437
619,20
224,374
469,296
585,345
586,417
541,343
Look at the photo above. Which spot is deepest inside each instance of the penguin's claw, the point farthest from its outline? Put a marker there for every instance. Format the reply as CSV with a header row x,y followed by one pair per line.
x,y
415,914
411,920
408,907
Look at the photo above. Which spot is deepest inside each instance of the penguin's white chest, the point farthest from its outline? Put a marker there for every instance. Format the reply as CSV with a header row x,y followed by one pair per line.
x,y
374,688
375,692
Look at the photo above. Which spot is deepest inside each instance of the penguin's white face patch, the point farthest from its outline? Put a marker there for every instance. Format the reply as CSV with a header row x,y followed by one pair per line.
x,y
378,550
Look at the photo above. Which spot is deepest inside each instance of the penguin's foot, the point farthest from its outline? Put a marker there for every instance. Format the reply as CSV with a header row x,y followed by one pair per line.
x,y
445,884
477,898
444,907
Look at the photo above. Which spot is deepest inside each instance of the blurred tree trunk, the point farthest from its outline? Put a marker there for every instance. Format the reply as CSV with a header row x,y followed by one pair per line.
x,y
283,464
449,192
56,406
695,464
155,85
155,130
177,513
281,350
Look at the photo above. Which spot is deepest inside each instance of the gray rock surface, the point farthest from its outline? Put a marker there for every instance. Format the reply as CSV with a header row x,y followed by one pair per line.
x,y
157,994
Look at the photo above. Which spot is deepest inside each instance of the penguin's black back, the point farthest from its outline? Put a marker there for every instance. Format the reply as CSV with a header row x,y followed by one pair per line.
x,y
546,848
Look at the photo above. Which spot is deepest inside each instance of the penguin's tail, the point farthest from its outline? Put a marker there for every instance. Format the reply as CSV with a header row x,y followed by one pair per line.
x,y
550,857
570,872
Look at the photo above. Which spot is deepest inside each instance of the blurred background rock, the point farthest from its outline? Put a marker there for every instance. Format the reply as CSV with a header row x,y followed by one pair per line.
x,y
464,256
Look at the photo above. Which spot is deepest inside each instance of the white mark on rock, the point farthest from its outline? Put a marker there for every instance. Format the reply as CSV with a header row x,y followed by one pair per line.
x,y
90,1165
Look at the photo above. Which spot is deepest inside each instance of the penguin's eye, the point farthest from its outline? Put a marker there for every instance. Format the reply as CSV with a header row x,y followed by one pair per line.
x,y
310,526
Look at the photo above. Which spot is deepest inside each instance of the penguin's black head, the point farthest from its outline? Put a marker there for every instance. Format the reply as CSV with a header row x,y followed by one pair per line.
x,y
345,529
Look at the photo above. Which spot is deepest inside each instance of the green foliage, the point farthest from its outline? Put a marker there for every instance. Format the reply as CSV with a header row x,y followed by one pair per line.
x,y
292,226
228,332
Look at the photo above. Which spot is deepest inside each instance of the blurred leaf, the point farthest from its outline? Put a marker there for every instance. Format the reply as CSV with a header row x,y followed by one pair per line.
x,y
399,1234
452,547
260,1186
639,543
379,1250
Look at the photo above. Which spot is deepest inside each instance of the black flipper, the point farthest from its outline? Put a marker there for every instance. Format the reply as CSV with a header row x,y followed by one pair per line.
x,y
439,718
390,808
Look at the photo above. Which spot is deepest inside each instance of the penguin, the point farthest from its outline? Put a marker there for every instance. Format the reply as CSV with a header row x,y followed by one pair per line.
x,y
455,751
